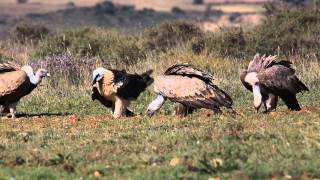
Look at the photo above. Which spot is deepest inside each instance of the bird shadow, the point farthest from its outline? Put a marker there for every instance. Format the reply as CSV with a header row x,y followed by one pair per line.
x,y
25,115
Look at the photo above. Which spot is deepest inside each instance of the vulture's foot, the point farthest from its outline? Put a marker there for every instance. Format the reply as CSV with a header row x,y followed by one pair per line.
x,y
269,111
129,113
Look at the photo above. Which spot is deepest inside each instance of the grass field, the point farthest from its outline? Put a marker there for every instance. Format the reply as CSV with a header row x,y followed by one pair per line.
x,y
66,136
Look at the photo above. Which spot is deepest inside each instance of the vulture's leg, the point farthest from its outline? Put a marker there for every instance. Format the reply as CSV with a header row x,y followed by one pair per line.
x,y
271,102
113,108
180,110
155,105
12,109
1,110
120,108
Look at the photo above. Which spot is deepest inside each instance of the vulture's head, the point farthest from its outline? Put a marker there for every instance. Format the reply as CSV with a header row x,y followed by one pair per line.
x,y
155,105
42,73
35,78
97,75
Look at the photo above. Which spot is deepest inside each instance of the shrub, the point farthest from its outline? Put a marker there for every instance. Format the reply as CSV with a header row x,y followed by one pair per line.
x,y
293,31
106,7
66,67
289,32
24,32
22,1
177,10
106,44
233,42
197,2
169,34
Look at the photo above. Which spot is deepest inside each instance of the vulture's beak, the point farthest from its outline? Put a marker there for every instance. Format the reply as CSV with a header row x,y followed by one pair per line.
x,y
150,113
94,80
48,75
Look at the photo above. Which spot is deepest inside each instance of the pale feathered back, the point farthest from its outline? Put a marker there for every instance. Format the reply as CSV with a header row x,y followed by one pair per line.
x,y
260,63
190,71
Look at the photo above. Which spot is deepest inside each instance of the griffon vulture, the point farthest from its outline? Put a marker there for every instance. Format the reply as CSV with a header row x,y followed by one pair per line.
x,y
269,79
189,87
115,89
16,82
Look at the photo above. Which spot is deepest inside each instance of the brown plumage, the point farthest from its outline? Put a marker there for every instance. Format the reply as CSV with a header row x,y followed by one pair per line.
x,y
269,79
189,86
116,89
15,83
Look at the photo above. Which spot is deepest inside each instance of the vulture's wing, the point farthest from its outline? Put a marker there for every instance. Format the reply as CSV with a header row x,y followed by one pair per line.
x,y
130,86
191,92
9,66
11,81
281,77
189,71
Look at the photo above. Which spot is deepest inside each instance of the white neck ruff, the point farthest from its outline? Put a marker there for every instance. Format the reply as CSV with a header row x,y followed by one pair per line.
x,y
34,79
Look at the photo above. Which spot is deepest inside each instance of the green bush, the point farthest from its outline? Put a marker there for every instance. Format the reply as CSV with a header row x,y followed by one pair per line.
x,y
166,35
109,45
233,42
289,32
25,32
292,31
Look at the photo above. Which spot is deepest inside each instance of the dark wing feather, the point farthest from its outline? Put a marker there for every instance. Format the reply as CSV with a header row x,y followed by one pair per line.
x,y
287,64
189,71
223,98
9,66
130,86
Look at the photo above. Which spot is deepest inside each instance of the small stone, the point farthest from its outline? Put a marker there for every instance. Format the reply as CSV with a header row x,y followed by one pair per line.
x,y
174,161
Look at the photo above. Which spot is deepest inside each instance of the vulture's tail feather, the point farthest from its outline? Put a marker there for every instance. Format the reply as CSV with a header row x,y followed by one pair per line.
x,y
291,101
301,86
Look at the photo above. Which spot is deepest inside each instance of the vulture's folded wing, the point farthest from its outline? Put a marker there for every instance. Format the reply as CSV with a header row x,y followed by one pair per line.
x,y
280,78
191,91
11,81
9,66
130,86
189,71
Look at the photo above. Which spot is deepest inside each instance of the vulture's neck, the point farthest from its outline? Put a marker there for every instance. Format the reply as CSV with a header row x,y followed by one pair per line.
x,y
35,79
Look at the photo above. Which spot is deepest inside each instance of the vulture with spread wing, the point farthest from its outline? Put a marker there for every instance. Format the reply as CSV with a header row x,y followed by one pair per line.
x,y
269,79
115,89
189,87
16,82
